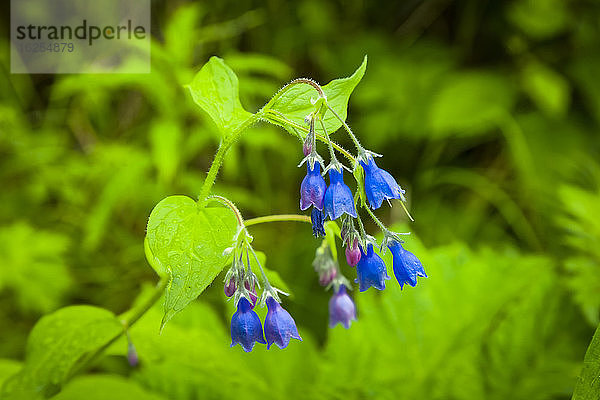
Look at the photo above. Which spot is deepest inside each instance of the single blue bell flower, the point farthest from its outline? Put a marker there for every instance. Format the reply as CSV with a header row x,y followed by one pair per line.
x,y
379,184
406,265
338,197
280,327
313,187
341,309
371,270
317,218
245,326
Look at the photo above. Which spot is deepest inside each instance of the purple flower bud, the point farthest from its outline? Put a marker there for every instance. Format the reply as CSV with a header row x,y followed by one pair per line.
x,y
279,325
327,276
341,309
307,147
132,355
252,291
352,253
245,326
230,288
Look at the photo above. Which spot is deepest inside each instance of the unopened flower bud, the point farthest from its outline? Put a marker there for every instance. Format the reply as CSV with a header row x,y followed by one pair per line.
x,y
253,296
307,147
230,288
326,277
353,253
132,355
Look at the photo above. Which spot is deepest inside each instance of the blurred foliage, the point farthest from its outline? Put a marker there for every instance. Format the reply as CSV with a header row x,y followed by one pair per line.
x,y
488,114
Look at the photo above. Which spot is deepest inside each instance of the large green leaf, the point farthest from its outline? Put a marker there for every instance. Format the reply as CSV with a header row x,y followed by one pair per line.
x,y
57,345
102,387
188,242
588,385
296,102
215,90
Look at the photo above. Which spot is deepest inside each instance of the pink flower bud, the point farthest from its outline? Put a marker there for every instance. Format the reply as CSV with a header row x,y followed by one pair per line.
x,y
353,254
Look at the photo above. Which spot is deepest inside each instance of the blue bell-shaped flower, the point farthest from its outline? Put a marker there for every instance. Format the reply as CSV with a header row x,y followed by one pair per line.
x,y
341,309
379,184
406,265
371,270
245,326
338,197
280,327
312,188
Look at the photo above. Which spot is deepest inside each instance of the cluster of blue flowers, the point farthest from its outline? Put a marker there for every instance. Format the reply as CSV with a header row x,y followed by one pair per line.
x,y
335,202
246,328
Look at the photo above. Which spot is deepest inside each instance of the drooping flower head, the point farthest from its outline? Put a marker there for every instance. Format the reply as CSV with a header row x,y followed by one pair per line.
x,y
317,218
341,309
280,327
313,187
371,270
406,265
245,326
338,198
379,184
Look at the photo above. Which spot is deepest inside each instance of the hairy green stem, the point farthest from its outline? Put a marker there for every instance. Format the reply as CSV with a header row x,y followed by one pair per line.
x,y
281,119
347,128
278,218
377,221
209,181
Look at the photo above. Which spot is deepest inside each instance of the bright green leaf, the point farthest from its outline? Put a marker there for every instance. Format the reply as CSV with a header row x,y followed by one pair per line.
x,y
215,90
188,242
297,102
103,387
57,345
588,385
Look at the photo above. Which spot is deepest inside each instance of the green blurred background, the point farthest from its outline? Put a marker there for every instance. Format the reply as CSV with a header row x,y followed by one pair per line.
x,y
487,112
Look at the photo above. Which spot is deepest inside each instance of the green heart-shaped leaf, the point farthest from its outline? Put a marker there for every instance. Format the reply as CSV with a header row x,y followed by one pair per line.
x,y
215,90
296,102
187,244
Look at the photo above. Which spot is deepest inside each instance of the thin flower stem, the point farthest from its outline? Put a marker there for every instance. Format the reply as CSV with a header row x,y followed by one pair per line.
x,y
329,145
377,221
347,128
262,272
278,218
280,118
362,229
231,206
